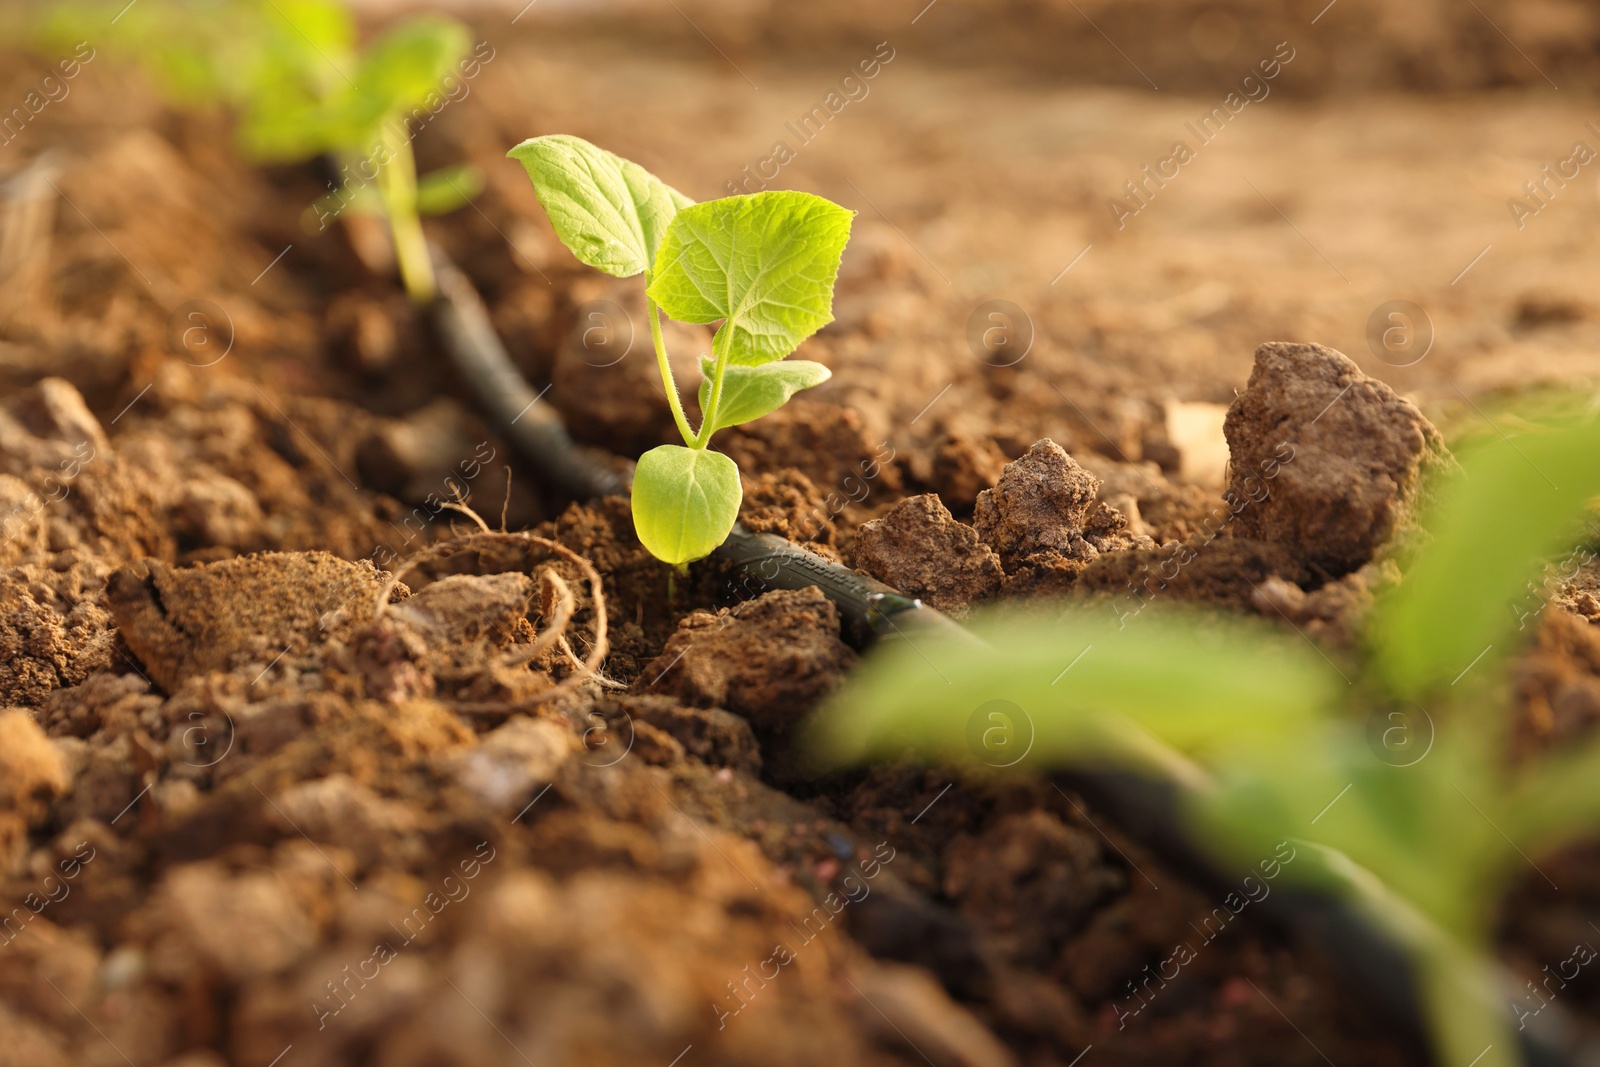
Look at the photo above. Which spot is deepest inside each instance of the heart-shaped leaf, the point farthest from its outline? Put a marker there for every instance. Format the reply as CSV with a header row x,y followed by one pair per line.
x,y
685,500
611,212
751,392
765,263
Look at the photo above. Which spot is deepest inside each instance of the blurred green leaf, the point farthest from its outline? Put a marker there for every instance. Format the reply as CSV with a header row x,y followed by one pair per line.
x,y
448,188
1076,681
285,125
399,73
1556,801
1519,501
1414,826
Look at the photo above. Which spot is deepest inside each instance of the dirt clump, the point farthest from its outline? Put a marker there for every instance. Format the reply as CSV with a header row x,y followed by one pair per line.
x,y
964,466
830,445
769,659
1108,529
1331,461
713,736
787,503
1558,684
84,494
1224,571
48,640
42,426
1032,880
920,549
509,762
1045,522
463,608
32,773
251,610
1332,612
1164,510
1037,507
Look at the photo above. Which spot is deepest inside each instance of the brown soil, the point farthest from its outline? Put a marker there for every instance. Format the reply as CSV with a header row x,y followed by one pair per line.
x,y
240,818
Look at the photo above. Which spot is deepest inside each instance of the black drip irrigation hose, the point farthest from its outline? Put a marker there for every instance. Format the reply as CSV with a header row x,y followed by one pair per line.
x,y
871,610
1372,965
1380,973
469,338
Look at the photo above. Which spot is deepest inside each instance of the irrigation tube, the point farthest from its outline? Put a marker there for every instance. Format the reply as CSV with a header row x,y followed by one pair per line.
x,y
469,338
1367,954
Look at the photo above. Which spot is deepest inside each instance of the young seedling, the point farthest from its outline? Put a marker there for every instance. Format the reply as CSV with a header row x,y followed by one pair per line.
x,y
291,71
762,266
1421,833
362,123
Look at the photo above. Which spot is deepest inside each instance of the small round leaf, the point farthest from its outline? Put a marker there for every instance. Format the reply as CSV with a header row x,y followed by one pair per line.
x,y
685,500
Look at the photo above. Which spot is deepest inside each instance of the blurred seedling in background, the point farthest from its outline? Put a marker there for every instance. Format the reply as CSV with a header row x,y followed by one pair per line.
x,y
763,266
292,72
1270,741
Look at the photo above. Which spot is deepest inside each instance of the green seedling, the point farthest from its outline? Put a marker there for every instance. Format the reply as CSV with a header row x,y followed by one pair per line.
x,y
1421,831
291,71
762,266
363,124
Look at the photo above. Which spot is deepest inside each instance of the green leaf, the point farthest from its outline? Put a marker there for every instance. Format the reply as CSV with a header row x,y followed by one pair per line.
x,y
1519,501
612,213
401,70
1078,688
751,392
1555,800
765,263
292,112
685,500
284,125
448,188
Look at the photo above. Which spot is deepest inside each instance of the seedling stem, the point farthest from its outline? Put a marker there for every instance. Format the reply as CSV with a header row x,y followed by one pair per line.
x,y
673,399
708,419
397,181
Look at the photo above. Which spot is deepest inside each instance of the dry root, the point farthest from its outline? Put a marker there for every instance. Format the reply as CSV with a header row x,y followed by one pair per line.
x,y
557,603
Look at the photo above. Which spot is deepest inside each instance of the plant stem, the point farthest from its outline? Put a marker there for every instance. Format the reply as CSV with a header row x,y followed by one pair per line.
x,y
708,417
673,400
397,183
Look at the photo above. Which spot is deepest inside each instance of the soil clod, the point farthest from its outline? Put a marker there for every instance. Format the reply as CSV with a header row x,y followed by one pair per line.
x,y
1330,461
224,616
1038,508
921,550
770,659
